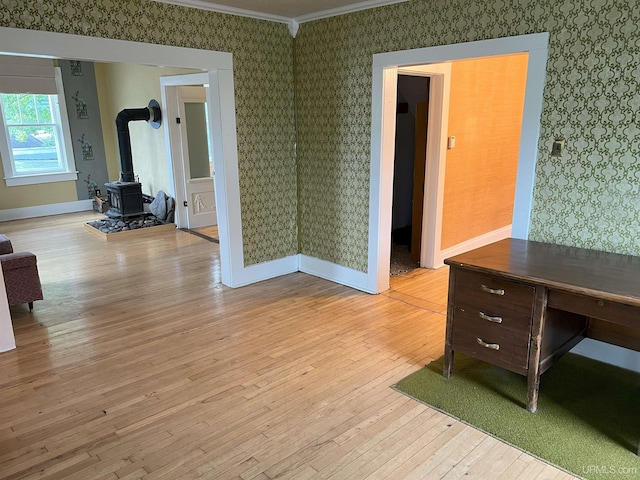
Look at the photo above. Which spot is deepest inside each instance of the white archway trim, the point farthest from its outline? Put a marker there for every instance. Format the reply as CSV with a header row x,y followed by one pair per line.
x,y
219,70
385,67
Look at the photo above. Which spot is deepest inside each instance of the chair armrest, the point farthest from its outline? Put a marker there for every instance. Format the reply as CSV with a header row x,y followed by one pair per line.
x,y
12,261
5,245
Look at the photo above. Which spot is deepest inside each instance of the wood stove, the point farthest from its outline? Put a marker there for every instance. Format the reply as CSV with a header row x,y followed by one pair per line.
x,y
125,196
125,199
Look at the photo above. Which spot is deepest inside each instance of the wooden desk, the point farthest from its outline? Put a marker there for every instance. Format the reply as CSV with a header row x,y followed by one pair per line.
x,y
521,305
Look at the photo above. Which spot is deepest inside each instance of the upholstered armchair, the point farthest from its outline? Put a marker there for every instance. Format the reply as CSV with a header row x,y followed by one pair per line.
x,y
21,278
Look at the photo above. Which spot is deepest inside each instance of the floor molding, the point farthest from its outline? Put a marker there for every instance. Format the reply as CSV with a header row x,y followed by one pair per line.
x,y
476,242
335,273
45,210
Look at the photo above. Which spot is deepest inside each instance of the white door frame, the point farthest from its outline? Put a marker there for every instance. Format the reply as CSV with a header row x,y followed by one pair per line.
x,y
384,88
218,67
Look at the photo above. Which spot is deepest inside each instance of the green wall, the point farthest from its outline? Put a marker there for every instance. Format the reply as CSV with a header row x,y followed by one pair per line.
x,y
263,76
589,197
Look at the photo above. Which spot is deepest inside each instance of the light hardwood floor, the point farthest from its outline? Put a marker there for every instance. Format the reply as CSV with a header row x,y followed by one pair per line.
x,y
139,364
208,231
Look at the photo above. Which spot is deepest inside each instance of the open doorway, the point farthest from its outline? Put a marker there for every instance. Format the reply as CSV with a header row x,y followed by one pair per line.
x,y
386,67
479,142
188,131
217,70
483,142
409,173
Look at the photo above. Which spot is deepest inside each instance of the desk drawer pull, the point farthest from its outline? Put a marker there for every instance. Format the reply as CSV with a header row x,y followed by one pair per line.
x,y
493,291
492,346
489,318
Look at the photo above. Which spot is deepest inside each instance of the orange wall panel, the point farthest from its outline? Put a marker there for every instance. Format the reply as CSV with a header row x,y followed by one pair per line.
x,y
487,98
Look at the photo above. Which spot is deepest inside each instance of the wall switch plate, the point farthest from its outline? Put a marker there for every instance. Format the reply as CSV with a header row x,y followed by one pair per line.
x,y
557,148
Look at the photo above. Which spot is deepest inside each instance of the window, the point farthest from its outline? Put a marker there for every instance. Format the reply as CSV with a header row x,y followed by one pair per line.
x,y
34,137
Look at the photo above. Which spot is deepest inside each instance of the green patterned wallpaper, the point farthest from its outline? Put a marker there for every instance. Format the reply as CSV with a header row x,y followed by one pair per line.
x,y
263,76
589,197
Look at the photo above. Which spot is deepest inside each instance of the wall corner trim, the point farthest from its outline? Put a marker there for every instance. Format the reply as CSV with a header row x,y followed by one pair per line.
x,y
293,27
335,273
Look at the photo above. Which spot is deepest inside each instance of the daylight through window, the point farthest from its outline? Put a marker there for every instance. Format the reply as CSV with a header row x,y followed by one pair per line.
x,y
33,127
35,142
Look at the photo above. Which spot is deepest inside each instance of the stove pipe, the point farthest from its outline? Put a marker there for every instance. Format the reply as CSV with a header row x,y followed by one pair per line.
x,y
150,114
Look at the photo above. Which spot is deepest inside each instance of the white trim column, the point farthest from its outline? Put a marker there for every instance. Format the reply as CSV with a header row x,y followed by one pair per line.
x,y
7,339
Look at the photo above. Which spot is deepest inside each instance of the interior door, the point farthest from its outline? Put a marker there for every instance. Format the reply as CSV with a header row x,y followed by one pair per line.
x,y
197,162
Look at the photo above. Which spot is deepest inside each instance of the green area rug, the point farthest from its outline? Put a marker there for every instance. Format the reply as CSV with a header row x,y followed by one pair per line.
x,y
588,418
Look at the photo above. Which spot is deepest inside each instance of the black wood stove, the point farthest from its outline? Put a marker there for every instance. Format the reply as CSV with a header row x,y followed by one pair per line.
x,y
125,195
125,199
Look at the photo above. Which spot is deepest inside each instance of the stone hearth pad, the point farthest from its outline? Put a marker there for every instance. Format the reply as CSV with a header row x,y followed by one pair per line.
x,y
115,229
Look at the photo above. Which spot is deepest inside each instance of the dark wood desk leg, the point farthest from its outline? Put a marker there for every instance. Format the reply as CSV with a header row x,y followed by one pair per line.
x,y
537,329
447,369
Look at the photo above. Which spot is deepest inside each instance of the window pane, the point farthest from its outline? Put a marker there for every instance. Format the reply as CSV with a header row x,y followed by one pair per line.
x,y
10,108
34,149
44,109
28,111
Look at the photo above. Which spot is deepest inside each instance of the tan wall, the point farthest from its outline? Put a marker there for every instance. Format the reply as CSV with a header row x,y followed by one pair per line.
x,y
487,98
123,86
34,195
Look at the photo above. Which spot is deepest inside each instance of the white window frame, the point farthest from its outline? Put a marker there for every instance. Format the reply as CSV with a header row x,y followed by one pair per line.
x,y
13,179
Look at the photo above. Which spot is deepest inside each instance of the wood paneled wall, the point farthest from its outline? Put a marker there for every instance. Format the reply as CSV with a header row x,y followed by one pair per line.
x,y
487,98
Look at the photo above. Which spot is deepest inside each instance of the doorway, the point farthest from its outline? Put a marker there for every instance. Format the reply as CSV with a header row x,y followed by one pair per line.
x,y
190,146
386,67
409,173
196,159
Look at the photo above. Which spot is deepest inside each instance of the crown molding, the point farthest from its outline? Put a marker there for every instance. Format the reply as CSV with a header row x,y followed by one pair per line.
x,y
355,7
214,7
293,23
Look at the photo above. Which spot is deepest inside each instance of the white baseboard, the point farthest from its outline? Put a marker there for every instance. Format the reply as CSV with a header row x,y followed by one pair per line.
x,y
477,242
335,273
264,271
45,210
301,263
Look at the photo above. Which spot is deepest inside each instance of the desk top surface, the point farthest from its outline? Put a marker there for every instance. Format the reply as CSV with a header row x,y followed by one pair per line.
x,y
598,274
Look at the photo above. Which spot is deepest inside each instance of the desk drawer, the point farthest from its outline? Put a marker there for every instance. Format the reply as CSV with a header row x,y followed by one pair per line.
x,y
481,290
504,318
504,344
593,307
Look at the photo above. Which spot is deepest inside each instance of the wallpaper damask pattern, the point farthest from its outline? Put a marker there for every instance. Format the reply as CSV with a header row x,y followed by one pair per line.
x,y
263,76
588,197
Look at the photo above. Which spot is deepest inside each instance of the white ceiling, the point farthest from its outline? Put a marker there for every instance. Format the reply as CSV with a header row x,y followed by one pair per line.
x,y
284,10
